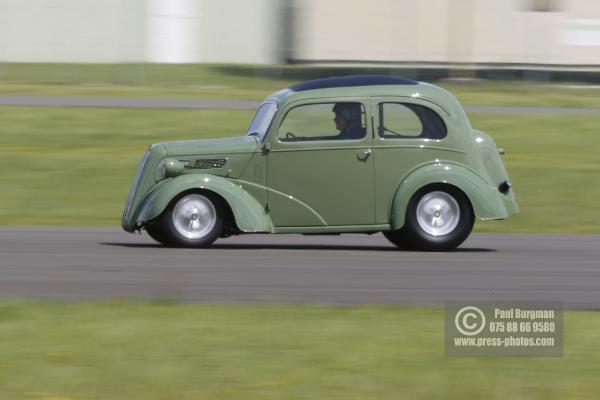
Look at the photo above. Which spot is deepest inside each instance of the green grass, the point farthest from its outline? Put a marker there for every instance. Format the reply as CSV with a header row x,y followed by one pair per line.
x,y
520,94
553,163
249,83
148,74
74,166
69,166
140,81
159,350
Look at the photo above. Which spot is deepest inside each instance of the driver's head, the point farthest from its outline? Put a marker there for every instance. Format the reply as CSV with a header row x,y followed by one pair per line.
x,y
346,114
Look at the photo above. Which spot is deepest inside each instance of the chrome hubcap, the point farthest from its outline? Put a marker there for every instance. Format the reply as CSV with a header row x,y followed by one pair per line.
x,y
438,213
194,216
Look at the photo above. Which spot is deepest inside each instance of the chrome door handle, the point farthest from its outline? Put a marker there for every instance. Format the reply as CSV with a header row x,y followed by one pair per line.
x,y
363,155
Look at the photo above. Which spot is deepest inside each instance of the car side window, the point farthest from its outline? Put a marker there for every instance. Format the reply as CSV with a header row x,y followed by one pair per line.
x,y
406,121
323,121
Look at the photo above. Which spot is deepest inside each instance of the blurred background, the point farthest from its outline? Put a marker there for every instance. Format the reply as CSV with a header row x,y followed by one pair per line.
x,y
87,85
530,39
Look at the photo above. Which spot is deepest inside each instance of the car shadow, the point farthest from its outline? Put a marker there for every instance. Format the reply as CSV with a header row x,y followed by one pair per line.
x,y
267,246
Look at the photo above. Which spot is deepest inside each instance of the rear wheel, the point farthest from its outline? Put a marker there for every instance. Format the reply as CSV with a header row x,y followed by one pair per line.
x,y
438,218
194,220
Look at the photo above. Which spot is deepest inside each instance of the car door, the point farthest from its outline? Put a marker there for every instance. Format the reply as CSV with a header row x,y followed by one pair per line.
x,y
316,175
408,133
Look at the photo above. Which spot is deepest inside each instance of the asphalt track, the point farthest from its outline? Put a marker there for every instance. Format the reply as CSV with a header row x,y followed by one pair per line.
x,y
87,264
57,101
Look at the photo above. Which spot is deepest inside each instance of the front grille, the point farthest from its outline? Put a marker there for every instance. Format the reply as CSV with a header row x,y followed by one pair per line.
x,y
134,186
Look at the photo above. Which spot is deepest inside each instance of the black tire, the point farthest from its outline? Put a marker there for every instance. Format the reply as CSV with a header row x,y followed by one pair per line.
x,y
174,220
156,232
417,234
395,237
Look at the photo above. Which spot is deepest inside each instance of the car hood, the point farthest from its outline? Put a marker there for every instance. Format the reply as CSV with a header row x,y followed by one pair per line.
x,y
225,146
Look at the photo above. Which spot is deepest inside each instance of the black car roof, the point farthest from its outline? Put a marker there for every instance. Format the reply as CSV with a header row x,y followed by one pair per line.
x,y
352,80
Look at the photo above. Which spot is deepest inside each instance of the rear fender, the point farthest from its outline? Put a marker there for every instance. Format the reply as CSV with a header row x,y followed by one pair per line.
x,y
486,201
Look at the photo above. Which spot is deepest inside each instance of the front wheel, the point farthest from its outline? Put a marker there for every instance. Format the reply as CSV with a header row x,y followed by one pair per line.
x,y
157,233
437,219
194,220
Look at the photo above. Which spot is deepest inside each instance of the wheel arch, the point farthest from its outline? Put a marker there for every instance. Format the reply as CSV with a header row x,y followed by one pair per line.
x,y
484,199
248,215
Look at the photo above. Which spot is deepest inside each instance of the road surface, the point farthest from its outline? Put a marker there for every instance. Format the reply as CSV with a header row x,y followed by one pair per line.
x,y
87,264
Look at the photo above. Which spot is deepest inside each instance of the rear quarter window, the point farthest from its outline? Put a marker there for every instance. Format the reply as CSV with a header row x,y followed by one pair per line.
x,y
409,121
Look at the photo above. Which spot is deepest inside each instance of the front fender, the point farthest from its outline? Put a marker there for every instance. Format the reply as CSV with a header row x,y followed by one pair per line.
x,y
486,200
249,215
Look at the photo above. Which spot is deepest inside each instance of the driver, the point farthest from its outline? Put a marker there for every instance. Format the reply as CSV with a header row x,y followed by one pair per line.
x,y
348,120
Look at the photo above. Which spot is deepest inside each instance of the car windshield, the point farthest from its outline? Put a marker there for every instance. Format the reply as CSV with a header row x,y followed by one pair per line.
x,y
262,119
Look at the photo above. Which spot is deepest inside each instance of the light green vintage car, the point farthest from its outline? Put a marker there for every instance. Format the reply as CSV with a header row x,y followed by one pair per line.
x,y
362,153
